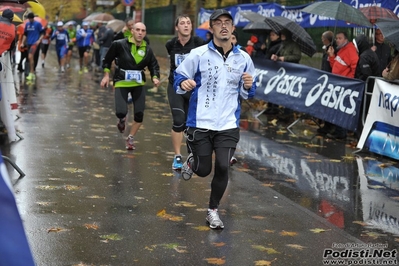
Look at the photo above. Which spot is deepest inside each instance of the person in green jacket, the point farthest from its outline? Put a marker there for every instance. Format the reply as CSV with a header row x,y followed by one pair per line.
x,y
72,37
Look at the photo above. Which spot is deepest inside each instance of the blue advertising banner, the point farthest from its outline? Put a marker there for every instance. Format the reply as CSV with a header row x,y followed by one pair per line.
x,y
294,13
329,97
380,133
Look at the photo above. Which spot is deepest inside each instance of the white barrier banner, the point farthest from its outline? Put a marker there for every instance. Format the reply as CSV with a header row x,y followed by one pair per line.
x,y
381,129
8,98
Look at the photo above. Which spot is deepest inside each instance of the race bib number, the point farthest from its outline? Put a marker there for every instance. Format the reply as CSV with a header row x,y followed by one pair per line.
x,y
45,41
133,75
179,58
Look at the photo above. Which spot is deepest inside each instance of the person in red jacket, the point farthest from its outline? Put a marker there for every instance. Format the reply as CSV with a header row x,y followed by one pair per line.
x,y
7,33
343,62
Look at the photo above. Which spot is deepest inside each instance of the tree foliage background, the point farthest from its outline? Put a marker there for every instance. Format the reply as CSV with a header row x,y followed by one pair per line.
x,y
67,9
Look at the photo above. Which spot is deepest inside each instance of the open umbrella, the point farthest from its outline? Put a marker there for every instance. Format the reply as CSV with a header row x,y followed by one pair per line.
x,y
299,35
16,19
390,30
13,8
90,17
103,17
257,24
339,11
258,27
116,24
375,12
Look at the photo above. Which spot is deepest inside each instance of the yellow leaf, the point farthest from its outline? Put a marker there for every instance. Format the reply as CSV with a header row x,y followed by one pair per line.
x,y
202,228
257,217
70,187
295,246
335,161
185,204
268,250
111,237
264,262
95,197
220,244
167,174
287,233
290,180
376,187
91,226
268,185
161,213
56,230
170,217
281,132
319,230
119,151
348,158
273,122
384,165
268,231
99,176
373,235
73,170
215,261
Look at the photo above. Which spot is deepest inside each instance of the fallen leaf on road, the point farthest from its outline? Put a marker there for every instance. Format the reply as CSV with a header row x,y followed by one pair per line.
x,y
360,222
267,250
56,230
296,246
257,217
99,176
170,217
167,174
220,244
264,262
111,237
202,228
73,170
95,197
185,204
319,230
93,226
215,261
287,233
373,235
268,231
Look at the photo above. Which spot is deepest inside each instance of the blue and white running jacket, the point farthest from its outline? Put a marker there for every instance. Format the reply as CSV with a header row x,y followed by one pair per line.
x,y
215,101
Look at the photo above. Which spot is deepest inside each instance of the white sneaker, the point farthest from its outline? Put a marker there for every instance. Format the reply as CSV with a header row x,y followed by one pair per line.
x,y
67,66
213,219
62,69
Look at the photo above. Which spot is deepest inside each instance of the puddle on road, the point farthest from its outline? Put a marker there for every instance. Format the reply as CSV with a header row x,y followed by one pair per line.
x,y
357,192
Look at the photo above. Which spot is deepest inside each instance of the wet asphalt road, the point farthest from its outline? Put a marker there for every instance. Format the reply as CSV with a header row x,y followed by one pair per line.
x,y
85,200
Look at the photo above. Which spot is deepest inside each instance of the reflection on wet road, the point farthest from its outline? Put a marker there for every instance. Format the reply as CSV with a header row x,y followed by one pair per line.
x,y
358,192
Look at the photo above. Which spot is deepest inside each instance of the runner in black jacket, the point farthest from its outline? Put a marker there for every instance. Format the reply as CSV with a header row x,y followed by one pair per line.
x,y
132,55
178,48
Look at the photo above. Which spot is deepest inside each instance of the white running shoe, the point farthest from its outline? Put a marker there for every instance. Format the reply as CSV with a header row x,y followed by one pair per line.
x,y
213,219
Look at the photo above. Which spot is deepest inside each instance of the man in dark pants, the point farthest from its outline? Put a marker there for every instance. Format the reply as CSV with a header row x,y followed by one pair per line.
x,y
217,75
132,56
178,49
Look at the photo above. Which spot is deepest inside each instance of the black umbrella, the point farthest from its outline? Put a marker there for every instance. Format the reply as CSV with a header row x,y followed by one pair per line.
x,y
257,27
299,35
390,30
338,10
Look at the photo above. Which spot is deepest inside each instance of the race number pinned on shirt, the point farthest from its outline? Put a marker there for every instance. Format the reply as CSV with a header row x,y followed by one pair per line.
x,y
133,75
179,58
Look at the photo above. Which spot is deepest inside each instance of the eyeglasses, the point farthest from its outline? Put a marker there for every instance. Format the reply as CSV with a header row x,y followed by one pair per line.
x,y
219,23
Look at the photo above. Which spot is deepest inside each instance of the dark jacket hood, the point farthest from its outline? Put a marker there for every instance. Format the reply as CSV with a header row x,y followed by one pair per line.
x,y
361,43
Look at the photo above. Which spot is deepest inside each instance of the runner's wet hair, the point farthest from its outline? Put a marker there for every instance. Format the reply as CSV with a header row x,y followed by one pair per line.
x,y
180,17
